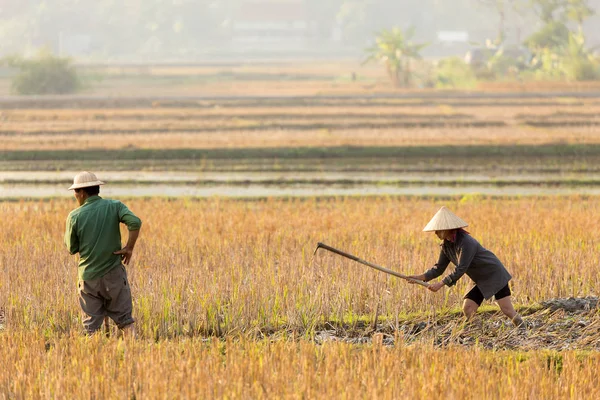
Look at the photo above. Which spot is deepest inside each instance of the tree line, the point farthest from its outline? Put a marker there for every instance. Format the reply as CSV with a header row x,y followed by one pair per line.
x,y
179,28
557,50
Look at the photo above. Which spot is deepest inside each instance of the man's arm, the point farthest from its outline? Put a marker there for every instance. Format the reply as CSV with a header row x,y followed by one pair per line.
x,y
71,239
127,251
128,218
134,225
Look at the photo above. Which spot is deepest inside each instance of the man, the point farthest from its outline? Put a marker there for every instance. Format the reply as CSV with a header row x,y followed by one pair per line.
x,y
93,231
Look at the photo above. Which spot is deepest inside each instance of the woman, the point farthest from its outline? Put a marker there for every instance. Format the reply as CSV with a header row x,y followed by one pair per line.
x,y
469,257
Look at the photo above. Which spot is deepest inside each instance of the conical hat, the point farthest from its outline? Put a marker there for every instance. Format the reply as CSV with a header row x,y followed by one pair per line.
x,y
85,179
443,220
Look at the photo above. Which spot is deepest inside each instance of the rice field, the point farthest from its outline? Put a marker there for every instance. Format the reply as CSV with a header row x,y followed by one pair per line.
x,y
278,138
229,298
242,369
245,369
251,262
296,122
231,302
554,137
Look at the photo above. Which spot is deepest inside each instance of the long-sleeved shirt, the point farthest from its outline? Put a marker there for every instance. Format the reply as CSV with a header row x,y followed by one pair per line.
x,y
93,231
469,257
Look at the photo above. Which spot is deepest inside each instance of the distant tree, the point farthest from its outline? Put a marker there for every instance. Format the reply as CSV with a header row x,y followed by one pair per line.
x,y
559,52
395,49
517,9
554,33
547,10
454,73
555,14
44,74
577,11
578,62
499,6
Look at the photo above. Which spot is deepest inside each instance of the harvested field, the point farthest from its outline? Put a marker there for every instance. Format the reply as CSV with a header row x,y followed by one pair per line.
x,y
216,113
230,301
409,99
273,242
554,324
283,369
309,137
496,143
314,126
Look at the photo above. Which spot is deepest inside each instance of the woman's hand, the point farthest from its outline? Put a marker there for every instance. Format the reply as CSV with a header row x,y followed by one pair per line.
x,y
434,287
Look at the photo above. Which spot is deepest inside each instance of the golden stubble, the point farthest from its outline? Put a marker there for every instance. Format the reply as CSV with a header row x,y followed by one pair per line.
x,y
243,270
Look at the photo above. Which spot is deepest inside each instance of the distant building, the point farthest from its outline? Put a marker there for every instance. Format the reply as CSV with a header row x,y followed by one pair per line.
x,y
453,36
272,25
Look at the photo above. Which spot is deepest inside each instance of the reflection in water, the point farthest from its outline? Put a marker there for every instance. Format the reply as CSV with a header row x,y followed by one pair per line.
x,y
289,183
66,177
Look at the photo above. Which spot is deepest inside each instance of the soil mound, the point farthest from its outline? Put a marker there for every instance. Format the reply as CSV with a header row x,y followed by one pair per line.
x,y
571,304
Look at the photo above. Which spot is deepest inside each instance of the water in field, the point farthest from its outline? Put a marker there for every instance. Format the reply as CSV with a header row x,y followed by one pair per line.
x,y
284,184
29,191
283,177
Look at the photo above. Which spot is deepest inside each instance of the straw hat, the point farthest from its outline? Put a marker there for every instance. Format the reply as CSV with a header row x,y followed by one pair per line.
x,y
85,179
443,220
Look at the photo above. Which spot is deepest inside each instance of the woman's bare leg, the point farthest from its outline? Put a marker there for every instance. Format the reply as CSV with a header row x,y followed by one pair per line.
x,y
507,308
469,308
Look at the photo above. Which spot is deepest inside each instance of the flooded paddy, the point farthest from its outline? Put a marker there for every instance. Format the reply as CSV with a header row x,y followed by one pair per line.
x,y
34,191
17,184
160,146
239,177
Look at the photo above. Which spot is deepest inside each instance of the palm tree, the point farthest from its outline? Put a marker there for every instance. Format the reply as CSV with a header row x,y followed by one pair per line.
x,y
395,50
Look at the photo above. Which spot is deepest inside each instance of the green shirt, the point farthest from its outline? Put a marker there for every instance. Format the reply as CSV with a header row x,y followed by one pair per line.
x,y
93,232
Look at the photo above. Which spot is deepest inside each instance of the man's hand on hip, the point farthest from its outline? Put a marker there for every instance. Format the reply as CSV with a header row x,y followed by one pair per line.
x,y
126,251
125,254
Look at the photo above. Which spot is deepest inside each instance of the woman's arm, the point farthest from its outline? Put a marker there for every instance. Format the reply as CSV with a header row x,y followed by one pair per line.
x,y
467,253
439,267
437,270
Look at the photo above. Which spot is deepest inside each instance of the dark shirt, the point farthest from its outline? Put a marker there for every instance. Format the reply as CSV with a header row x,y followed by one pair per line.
x,y
469,257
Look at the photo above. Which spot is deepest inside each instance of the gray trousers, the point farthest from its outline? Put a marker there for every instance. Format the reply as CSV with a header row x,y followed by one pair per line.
x,y
109,295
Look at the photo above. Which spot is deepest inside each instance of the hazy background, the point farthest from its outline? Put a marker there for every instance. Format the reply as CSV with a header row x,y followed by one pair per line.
x,y
204,30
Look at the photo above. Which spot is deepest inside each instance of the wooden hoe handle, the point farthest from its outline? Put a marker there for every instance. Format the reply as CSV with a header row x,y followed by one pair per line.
x,y
377,267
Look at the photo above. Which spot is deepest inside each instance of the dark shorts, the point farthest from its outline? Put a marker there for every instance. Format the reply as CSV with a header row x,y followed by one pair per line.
x,y
109,296
476,295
